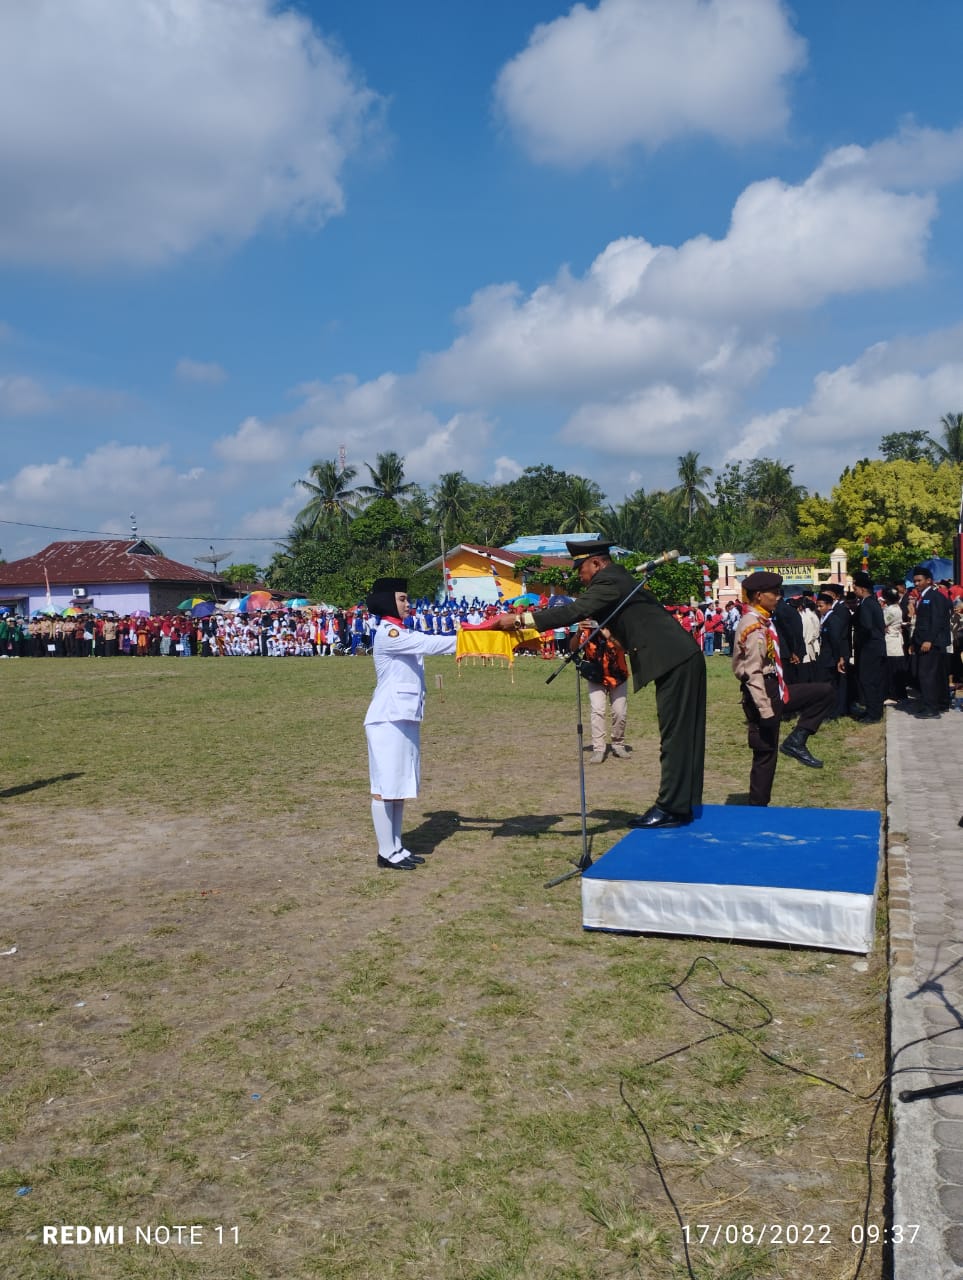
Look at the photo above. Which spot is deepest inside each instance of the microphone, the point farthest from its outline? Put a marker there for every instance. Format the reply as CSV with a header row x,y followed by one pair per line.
x,y
664,558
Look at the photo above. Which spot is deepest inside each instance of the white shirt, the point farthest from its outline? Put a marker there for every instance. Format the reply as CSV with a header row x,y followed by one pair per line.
x,y
399,661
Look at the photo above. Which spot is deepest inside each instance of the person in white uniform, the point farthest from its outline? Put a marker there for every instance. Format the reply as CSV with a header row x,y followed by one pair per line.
x,y
393,723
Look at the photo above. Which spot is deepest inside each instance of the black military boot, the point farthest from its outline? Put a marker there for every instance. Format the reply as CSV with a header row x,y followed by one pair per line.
x,y
795,746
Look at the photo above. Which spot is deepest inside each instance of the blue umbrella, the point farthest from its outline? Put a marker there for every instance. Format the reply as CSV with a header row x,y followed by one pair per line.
x,y
527,598
203,610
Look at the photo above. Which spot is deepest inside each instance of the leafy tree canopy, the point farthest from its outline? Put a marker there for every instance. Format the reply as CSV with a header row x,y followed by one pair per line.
x,y
907,510
242,573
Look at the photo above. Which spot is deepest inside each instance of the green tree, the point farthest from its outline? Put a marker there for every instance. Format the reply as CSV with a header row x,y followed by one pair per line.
x,y
689,493
491,520
332,501
774,497
908,446
395,543
951,449
907,510
581,506
676,583
451,501
387,477
541,499
242,573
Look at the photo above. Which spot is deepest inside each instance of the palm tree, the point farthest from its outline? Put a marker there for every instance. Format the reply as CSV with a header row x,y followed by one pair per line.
x,y
332,502
621,526
772,494
688,493
387,477
581,506
450,501
951,450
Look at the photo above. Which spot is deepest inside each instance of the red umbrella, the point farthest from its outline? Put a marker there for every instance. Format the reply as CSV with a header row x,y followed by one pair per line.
x,y
256,601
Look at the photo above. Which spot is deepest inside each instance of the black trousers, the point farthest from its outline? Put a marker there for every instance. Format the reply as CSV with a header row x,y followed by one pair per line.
x,y
811,702
933,680
871,682
680,699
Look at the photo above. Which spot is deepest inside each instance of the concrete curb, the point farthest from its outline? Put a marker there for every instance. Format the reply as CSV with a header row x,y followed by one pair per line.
x,y
915,1151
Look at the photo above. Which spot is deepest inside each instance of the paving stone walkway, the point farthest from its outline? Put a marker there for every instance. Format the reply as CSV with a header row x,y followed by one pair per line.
x,y
924,764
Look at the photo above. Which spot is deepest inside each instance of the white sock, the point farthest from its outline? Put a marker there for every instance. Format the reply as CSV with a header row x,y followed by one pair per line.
x,y
397,810
381,818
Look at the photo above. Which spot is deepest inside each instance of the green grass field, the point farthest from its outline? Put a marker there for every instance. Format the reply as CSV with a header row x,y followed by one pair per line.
x,y
220,1014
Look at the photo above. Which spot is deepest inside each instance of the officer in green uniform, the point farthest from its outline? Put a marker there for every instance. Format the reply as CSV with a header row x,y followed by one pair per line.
x,y
658,650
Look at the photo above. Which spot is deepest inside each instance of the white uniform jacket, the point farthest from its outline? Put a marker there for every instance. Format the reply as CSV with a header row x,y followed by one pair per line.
x,y
399,660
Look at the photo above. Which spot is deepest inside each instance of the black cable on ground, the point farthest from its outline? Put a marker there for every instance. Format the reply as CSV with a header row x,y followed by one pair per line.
x,y
879,1093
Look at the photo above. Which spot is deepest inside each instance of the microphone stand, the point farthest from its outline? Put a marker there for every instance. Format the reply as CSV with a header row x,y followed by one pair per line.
x,y
585,860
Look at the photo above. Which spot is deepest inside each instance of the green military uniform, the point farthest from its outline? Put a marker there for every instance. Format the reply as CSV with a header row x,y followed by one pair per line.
x,y
658,650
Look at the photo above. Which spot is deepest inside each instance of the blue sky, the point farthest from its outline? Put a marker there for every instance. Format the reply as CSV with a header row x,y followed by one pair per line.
x,y
236,236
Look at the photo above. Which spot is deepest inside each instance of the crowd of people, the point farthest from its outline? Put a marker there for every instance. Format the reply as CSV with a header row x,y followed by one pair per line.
x,y
861,641
277,633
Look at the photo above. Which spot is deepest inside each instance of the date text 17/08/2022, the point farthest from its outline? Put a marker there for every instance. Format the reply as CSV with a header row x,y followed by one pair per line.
x,y
796,1233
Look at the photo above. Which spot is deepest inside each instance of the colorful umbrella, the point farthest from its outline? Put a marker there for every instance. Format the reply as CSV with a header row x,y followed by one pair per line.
x,y
71,611
527,598
191,602
256,601
203,609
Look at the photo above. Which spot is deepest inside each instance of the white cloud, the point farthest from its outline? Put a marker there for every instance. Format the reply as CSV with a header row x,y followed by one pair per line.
x,y
107,471
369,418
915,157
893,386
23,397
252,444
455,445
658,421
792,247
643,312
132,133
506,470
187,370
272,521
597,81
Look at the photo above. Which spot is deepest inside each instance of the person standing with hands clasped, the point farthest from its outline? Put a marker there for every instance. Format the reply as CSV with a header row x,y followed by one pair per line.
x,y
601,663
766,698
658,650
931,639
393,723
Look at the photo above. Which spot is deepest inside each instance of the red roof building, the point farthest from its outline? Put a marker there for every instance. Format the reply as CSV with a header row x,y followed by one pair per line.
x,y
115,575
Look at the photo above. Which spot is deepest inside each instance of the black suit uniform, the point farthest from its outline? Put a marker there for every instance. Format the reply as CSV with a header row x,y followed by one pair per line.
x,y
789,628
932,624
869,641
658,650
835,643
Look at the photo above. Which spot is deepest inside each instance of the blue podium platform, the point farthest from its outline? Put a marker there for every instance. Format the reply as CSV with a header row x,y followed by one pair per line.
x,y
806,877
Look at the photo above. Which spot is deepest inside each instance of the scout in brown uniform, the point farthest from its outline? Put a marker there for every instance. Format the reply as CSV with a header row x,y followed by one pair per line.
x,y
756,663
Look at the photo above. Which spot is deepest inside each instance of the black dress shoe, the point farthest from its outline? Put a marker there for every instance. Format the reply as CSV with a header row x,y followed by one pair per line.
x,y
927,715
412,857
656,817
405,864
